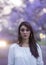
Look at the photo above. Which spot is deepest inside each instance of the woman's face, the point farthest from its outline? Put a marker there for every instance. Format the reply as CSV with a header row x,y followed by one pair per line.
x,y
24,32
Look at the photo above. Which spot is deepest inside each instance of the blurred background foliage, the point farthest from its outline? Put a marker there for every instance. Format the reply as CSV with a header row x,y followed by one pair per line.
x,y
13,12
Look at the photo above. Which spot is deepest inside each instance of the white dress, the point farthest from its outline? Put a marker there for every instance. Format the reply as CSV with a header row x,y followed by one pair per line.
x,y
22,56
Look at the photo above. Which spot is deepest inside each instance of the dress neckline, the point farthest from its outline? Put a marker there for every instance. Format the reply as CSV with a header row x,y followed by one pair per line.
x,y
22,46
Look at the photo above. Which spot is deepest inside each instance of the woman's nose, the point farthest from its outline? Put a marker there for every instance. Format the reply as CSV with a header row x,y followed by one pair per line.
x,y
25,31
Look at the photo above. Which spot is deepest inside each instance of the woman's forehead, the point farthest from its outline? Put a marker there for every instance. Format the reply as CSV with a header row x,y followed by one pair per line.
x,y
23,26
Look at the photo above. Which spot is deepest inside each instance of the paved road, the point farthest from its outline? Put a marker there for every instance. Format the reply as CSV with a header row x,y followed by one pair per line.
x,y
4,55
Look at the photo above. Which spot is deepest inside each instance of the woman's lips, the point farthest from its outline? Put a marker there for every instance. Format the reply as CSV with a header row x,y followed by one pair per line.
x,y
25,35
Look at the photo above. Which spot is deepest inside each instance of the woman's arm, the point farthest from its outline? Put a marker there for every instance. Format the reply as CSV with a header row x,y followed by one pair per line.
x,y
40,59
11,56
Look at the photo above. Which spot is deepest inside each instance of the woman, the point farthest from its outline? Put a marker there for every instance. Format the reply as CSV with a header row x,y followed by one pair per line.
x,y
26,51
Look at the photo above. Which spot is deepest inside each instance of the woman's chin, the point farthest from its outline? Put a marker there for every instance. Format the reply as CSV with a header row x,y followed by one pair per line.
x,y
25,38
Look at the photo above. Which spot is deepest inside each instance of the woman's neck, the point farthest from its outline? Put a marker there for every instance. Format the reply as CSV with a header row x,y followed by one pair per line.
x,y
25,43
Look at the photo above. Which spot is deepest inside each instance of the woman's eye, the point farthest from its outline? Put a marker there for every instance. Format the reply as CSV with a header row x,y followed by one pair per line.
x,y
27,30
24,30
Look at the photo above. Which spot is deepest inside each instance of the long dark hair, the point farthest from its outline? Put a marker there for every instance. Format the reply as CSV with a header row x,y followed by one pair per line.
x,y
32,41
